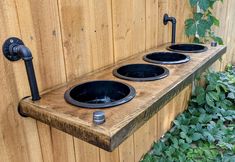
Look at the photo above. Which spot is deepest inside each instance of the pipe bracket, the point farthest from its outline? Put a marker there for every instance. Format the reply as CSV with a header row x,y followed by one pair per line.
x,y
7,47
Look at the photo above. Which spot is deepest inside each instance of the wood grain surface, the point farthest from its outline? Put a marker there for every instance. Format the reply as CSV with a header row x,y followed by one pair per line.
x,y
123,120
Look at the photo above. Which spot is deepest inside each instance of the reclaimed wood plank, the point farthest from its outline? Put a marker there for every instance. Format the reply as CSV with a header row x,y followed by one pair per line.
x,y
152,20
87,35
16,144
53,109
128,27
85,152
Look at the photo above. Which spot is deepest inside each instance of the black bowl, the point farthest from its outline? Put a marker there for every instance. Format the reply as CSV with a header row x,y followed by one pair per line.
x,y
166,58
189,48
141,72
99,94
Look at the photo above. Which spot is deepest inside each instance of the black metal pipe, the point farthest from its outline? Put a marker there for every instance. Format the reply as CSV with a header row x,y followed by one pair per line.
x,y
26,55
32,80
166,19
14,49
173,37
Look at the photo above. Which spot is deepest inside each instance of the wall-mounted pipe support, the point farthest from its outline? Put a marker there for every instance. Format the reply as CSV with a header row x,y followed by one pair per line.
x,y
14,50
166,19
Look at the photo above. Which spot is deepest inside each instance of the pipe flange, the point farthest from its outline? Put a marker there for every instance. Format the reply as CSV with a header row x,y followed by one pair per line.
x,y
8,46
165,19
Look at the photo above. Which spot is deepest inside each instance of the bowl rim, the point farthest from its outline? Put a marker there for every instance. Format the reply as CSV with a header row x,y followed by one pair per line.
x,y
74,102
183,51
187,58
163,75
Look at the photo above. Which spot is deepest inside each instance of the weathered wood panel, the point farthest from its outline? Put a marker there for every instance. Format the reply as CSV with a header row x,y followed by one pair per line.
x,y
226,14
128,27
87,35
17,143
152,20
85,152
163,31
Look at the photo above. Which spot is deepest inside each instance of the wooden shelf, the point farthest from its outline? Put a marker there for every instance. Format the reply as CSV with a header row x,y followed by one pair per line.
x,y
123,120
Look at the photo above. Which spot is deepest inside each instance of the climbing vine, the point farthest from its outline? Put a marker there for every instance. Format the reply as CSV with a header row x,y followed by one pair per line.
x,y
205,132
199,27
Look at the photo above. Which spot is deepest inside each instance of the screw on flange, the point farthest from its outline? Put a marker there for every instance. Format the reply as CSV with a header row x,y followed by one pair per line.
x,y
98,117
213,44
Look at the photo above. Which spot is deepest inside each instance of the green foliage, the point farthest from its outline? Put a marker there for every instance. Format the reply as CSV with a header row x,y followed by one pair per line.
x,y
199,27
205,132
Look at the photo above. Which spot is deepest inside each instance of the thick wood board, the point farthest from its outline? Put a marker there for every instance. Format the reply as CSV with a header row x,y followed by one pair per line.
x,y
123,120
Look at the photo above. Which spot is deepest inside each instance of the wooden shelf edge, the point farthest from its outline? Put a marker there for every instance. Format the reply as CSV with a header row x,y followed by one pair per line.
x,y
120,136
110,140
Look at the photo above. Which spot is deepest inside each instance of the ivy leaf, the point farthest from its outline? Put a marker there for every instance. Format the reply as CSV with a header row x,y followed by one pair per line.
x,y
209,100
227,102
197,16
183,135
190,27
193,2
200,98
158,147
148,158
228,158
214,20
204,118
196,40
210,88
202,27
196,136
231,95
189,140
210,23
211,3
204,4
214,95
218,40
194,120
209,137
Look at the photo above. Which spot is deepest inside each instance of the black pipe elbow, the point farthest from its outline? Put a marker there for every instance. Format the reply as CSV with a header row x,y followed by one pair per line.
x,y
24,52
14,50
173,20
167,19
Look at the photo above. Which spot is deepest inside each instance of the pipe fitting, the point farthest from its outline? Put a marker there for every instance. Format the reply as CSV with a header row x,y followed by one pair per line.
x,y
167,19
14,50
23,52
98,117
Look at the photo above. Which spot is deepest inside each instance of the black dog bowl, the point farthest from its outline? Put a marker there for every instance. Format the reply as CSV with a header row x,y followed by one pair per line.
x,y
189,48
99,94
141,72
166,58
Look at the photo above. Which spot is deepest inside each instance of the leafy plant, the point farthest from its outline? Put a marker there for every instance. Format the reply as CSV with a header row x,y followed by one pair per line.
x,y
199,27
205,132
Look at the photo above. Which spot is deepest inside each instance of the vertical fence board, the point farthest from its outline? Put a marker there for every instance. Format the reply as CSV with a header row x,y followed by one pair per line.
x,y
63,146
109,156
163,35
144,137
128,27
126,150
152,20
85,151
87,35
16,142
